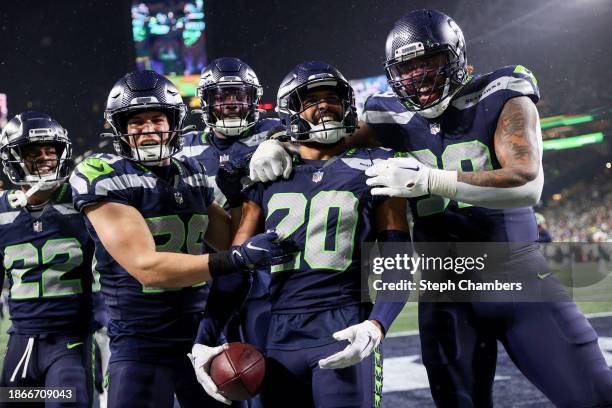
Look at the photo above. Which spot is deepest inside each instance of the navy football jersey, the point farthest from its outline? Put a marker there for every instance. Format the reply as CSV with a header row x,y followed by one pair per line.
x,y
47,260
327,208
175,209
212,150
460,139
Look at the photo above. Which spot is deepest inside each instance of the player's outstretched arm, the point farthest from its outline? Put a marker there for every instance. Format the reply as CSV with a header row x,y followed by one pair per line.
x,y
391,226
518,146
127,238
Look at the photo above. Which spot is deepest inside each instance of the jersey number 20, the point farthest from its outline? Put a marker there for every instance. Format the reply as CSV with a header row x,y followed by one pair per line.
x,y
316,255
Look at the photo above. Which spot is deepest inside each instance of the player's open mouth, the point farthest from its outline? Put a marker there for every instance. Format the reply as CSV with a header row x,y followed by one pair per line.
x,y
427,94
44,170
149,142
327,118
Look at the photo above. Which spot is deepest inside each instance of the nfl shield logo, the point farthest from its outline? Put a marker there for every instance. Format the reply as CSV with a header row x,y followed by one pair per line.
x,y
434,128
317,176
37,226
178,197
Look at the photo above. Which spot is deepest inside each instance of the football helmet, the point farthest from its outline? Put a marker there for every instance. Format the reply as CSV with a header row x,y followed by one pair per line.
x,y
140,91
426,61
229,92
292,92
26,129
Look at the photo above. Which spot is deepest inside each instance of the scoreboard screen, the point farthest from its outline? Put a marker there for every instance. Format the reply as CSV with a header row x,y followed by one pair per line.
x,y
170,38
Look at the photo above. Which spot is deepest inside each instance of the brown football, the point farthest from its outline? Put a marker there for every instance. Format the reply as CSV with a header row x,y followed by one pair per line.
x,y
238,371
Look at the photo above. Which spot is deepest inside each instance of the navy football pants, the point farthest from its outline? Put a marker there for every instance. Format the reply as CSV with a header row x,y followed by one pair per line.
x,y
294,379
51,360
136,384
552,343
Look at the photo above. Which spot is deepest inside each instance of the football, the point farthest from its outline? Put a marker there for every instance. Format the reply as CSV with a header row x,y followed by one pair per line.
x,y
238,371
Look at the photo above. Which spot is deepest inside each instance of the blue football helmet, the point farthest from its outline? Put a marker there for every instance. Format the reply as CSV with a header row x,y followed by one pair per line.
x,y
426,62
26,129
140,91
229,92
297,83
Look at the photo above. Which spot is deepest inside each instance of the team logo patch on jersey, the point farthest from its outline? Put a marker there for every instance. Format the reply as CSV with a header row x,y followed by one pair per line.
x,y
317,176
434,128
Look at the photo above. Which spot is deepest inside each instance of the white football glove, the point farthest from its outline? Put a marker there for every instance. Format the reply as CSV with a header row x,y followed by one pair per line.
x,y
270,161
364,337
201,357
399,177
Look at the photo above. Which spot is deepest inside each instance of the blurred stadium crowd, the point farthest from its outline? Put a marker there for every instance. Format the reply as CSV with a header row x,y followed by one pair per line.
x,y
582,212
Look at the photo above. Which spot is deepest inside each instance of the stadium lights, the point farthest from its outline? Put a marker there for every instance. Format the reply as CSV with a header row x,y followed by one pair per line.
x,y
563,120
573,141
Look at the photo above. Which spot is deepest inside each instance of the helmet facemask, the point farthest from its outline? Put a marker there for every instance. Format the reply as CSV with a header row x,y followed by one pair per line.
x,y
319,116
155,150
150,154
47,173
150,94
230,108
425,83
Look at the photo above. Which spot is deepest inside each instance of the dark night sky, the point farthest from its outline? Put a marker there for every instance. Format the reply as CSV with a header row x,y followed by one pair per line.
x,y
62,57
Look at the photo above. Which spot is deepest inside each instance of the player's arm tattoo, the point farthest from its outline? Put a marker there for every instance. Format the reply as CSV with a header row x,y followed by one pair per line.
x,y
516,146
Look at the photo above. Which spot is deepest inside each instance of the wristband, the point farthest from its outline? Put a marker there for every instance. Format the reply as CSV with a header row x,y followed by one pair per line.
x,y
442,183
221,263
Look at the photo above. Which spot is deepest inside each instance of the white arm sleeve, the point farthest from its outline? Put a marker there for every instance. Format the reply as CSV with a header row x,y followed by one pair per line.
x,y
526,195
444,183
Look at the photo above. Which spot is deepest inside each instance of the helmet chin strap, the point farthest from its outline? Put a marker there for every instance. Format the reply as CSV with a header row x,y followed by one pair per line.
x,y
319,134
151,155
233,126
19,198
436,110
439,108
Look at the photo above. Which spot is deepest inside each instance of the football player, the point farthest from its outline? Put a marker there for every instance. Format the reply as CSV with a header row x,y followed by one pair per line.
x,y
472,174
46,253
321,334
148,214
229,93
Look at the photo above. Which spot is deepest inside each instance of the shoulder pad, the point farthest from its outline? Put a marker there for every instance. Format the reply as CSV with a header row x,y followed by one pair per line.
x,y
95,166
513,80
